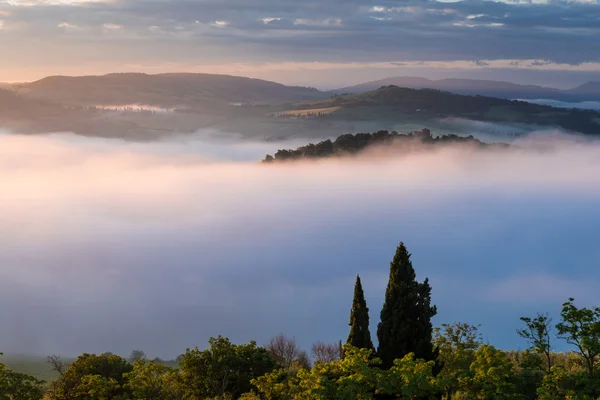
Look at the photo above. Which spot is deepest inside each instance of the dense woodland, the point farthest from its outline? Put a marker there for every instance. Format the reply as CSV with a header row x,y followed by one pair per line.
x,y
412,360
351,144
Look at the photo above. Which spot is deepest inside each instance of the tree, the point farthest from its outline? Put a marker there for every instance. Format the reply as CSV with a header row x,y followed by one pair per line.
x,y
557,384
580,327
409,379
286,353
325,352
537,333
224,369
18,386
354,377
152,381
457,344
405,325
137,355
359,336
491,373
90,376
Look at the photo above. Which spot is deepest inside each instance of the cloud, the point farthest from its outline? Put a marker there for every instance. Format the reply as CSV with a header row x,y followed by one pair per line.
x,y
110,246
293,32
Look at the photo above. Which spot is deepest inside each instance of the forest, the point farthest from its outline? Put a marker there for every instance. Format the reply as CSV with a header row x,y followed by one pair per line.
x,y
352,144
411,360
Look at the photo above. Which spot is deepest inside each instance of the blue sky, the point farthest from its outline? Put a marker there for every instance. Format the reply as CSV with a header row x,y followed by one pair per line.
x,y
307,42
108,247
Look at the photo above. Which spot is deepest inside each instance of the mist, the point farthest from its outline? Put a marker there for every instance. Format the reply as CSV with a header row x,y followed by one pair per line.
x,y
113,246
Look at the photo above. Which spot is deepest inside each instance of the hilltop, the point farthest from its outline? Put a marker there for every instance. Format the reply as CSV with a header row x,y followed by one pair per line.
x,y
349,144
589,91
176,90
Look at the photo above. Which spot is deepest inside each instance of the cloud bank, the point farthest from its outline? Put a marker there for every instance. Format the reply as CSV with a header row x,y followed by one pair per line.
x,y
111,246
133,34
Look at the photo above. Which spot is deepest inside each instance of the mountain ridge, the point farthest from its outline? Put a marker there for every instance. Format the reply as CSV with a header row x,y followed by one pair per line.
x,y
589,91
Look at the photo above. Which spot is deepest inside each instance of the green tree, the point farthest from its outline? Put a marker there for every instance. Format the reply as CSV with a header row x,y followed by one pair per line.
x,y
150,380
491,375
580,327
359,336
409,379
457,344
405,325
90,376
18,386
557,384
537,332
223,369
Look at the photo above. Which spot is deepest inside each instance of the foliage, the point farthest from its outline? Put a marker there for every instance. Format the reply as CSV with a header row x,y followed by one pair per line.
x,y
352,144
409,379
537,332
490,375
153,381
18,386
223,369
457,344
580,327
359,336
91,376
405,325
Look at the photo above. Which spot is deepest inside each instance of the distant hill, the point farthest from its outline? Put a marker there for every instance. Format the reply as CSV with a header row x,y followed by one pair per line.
x,y
347,145
394,101
183,90
506,90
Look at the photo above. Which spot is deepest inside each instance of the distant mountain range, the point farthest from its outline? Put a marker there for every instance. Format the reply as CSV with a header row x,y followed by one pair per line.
x,y
183,90
587,92
165,104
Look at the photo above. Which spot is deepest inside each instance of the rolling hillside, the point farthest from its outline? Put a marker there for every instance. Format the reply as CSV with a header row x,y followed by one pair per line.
x,y
391,102
164,90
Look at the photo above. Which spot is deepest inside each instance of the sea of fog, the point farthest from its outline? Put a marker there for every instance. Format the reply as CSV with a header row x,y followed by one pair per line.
x,y
114,246
590,105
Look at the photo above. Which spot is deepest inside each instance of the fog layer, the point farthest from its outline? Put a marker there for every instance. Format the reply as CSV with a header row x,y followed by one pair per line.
x,y
111,246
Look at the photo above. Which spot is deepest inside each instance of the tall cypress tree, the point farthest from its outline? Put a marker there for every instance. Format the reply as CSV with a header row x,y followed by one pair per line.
x,y
359,336
405,325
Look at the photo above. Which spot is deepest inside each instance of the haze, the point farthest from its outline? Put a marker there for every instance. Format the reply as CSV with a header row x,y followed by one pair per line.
x,y
110,245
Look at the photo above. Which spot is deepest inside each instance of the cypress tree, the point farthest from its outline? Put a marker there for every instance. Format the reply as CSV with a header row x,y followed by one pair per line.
x,y
405,325
359,336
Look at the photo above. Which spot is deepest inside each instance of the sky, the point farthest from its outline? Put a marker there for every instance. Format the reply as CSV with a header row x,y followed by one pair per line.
x,y
110,245
317,43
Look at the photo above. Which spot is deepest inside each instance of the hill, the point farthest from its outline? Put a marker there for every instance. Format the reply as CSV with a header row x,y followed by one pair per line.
x,y
346,145
506,90
390,102
183,90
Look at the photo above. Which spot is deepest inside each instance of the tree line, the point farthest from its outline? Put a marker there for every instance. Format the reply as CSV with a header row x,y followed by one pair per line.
x,y
352,144
412,360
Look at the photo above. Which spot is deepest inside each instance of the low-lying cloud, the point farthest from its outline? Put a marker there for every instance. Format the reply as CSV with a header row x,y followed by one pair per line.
x,y
111,246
